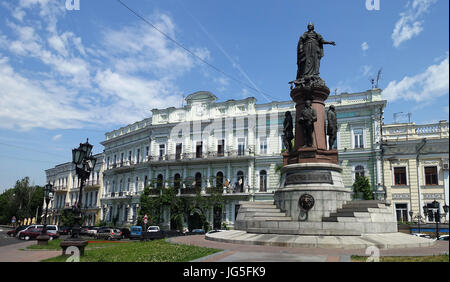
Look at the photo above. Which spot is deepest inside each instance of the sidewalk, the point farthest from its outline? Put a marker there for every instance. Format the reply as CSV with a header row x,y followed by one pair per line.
x,y
252,253
16,253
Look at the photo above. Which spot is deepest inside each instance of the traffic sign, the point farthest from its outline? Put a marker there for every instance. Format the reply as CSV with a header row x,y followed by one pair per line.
x,y
13,219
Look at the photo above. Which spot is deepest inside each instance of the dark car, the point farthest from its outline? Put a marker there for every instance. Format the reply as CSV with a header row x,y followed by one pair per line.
x,y
64,230
13,232
125,233
32,233
109,234
84,230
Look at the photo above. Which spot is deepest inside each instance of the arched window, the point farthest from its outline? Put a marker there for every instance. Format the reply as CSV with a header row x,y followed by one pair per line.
x,y
159,181
262,181
176,181
198,180
359,171
240,181
219,180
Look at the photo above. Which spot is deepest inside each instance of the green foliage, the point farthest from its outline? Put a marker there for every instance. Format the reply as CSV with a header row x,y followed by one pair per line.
x,y
362,186
180,207
22,201
153,251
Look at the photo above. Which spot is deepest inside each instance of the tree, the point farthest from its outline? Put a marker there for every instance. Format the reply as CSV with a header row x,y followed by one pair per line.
x,y
22,201
362,186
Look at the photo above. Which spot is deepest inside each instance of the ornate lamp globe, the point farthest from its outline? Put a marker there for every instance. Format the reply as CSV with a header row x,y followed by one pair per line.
x,y
48,191
445,207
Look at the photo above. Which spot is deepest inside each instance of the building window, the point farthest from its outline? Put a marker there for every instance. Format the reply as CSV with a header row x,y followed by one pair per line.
x,y
159,181
199,150
431,176
401,212
198,180
138,156
262,181
263,146
128,184
219,180
145,181
178,151
359,171
121,159
240,182
129,157
221,148
358,138
241,146
400,176
177,181
162,150
147,151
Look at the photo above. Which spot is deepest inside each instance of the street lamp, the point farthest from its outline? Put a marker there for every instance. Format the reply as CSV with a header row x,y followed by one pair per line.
x,y
43,238
445,207
84,164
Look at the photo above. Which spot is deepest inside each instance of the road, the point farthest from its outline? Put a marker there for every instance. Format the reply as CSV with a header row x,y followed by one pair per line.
x,y
5,240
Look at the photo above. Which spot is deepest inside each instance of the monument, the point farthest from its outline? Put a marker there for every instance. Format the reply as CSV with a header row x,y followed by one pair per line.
x,y
311,200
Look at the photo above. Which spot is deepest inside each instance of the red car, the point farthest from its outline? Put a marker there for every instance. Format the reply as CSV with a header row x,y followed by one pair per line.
x,y
32,233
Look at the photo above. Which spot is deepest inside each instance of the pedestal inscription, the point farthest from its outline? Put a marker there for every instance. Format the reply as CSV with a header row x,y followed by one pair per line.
x,y
309,177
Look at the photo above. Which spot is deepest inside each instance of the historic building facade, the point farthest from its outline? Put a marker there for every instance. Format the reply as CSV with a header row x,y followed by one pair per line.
x,y
67,187
234,146
416,164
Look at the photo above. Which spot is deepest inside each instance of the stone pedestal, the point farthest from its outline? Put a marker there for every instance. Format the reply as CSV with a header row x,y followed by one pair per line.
x,y
322,181
319,152
43,239
78,243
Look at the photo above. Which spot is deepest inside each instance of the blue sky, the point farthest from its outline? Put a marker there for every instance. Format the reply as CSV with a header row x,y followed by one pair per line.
x,y
68,75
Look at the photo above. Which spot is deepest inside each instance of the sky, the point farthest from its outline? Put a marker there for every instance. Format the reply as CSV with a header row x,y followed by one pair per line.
x,y
69,72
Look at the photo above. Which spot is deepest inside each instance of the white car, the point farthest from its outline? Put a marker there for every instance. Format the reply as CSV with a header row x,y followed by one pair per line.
x,y
153,229
422,235
29,227
443,238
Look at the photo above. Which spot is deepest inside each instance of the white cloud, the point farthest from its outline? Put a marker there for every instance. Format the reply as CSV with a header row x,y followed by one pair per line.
x,y
423,87
56,137
365,46
133,71
410,23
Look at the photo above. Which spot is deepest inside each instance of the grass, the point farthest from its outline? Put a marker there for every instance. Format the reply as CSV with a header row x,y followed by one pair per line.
x,y
438,258
150,251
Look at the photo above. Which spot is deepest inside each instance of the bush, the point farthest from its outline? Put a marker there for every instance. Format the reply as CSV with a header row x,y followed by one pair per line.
x,y
362,186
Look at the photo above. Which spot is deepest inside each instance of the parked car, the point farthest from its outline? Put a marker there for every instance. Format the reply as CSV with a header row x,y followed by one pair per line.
x,y
52,229
109,234
29,227
153,229
135,232
32,233
13,232
443,238
125,233
422,235
64,230
84,230
92,230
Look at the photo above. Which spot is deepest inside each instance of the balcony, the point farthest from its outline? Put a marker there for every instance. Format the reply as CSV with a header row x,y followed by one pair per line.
x,y
411,131
62,188
92,183
190,191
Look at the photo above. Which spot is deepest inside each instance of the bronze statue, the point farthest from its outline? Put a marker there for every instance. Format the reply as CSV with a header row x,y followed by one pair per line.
x,y
309,53
307,118
332,126
288,131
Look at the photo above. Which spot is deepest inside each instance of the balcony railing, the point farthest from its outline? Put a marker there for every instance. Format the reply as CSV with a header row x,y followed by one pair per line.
x,y
60,188
92,183
412,131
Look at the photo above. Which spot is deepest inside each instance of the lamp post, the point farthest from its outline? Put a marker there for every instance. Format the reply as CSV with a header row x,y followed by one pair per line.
x,y
84,164
445,207
43,238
